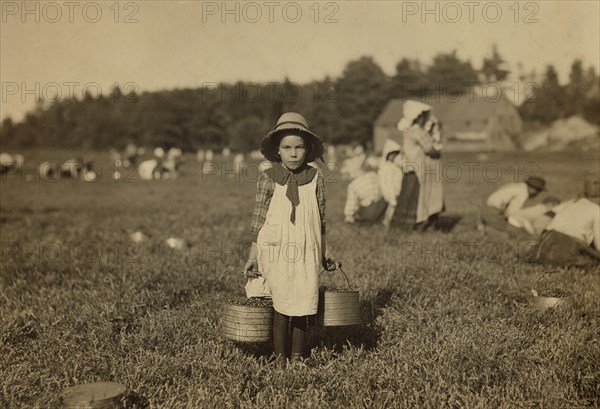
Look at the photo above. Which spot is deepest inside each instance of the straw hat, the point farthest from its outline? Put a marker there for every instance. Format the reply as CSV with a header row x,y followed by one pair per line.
x,y
291,121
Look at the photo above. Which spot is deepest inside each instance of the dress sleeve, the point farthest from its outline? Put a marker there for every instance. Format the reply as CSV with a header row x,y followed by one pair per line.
x,y
321,201
264,191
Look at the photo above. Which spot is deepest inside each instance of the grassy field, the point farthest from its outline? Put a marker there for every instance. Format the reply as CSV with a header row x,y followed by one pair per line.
x,y
447,315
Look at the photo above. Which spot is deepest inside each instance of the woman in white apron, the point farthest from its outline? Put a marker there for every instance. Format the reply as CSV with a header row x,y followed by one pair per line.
x,y
288,230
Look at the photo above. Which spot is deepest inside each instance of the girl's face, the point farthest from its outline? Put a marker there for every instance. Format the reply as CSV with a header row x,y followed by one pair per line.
x,y
422,119
292,151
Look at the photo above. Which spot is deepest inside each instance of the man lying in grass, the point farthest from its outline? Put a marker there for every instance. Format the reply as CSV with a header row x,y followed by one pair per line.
x,y
573,236
507,201
530,222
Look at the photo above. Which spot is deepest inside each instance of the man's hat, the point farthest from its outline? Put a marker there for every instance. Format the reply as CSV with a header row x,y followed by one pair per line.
x,y
291,121
536,182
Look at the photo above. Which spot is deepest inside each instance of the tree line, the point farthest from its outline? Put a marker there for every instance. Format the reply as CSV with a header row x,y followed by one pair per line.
x,y
238,115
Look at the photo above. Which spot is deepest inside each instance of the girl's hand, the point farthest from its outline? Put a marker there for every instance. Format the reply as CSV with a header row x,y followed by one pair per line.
x,y
251,269
251,266
330,264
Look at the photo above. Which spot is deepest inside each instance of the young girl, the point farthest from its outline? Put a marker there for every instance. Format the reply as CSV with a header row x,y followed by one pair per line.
x,y
288,230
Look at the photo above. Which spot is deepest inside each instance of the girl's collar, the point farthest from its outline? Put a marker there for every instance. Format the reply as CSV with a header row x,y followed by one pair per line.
x,y
300,169
292,179
280,174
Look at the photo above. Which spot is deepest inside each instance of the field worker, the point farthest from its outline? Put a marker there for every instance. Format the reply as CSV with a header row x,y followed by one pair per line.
x,y
19,160
7,162
419,201
200,155
130,154
364,202
149,169
115,156
529,222
390,175
573,237
507,201
288,231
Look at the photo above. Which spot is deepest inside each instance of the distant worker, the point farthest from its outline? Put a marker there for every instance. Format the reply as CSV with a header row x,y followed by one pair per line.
x,y
507,201
530,222
573,236
364,202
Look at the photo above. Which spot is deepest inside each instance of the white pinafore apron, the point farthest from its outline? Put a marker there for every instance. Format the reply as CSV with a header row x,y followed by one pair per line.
x,y
289,255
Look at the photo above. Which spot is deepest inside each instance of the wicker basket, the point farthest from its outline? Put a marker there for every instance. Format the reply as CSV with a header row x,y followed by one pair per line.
x,y
338,308
246,323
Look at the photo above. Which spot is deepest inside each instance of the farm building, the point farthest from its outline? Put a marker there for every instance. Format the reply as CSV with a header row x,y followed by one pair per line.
x,y
469,122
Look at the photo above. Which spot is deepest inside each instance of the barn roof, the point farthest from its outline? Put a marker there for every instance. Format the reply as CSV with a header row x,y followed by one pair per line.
x,y
447,109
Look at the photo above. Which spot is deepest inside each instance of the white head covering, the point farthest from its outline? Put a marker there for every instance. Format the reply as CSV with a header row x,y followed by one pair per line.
x,y
411,111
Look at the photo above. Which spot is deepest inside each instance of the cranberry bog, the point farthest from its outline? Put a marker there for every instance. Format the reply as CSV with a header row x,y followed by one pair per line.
x,y
446,316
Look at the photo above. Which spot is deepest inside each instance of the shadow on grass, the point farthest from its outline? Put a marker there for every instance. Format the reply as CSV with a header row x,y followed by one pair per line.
x,y
447,222
366,335
255,349
136,401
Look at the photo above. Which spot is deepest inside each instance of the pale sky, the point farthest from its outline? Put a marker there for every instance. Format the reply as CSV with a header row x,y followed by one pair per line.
x,y
174,44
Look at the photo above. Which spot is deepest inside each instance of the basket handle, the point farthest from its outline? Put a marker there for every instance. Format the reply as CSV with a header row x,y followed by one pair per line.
x,y
533,285
342,271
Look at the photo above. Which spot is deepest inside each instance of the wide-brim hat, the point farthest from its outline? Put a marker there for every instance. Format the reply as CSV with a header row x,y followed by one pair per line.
x,y
288,123
536,182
